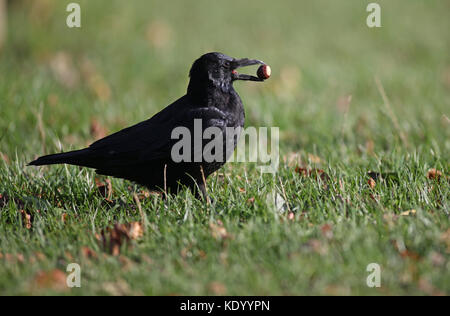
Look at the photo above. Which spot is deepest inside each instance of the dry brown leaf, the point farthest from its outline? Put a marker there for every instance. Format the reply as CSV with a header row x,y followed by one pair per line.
x,y
292,159
135,230
327,231
4,157
428,288
88,253
409,212
318,247
434,174
314,159
26,219
114,238
39,256
390,218
445,238
54,279
406,253
143,194
218,231
217,288
119,288
337,290
97,130
371,183
437,259
291,216
317,173
105,189
251,200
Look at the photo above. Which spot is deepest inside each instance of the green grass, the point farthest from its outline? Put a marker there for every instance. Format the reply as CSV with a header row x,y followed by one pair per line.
x,y
320,53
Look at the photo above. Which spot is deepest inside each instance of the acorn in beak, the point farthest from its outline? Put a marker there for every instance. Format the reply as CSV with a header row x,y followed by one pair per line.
x,y
244,62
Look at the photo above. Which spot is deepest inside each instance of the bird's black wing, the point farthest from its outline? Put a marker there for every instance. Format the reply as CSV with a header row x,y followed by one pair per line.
x,y
145,141
151,140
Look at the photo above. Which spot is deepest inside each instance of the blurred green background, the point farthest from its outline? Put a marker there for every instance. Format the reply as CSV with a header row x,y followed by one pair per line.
x,y
62,88
128,61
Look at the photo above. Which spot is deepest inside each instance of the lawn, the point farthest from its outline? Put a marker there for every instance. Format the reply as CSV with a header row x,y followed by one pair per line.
x,y
364,166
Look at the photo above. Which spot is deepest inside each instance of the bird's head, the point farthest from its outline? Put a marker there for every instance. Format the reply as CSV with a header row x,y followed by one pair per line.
x,y
220,70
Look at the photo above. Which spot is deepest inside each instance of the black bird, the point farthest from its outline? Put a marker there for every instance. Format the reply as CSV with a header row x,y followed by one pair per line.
x,y
142,153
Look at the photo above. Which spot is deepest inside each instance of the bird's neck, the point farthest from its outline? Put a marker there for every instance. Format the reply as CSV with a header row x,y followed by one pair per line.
x,y
208,93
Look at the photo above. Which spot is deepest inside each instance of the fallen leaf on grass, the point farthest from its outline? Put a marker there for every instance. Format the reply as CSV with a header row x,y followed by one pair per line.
x,y
4,157
97,130
445,238
114,238
292,159
39,256
410,255
337,290
105,189
26,218
317,173
406,253
217,288
390,218
327,231
383,176
88,253
218,231
318,247
428,288
119,288
13,258
291,216
314,159
437,259
434,174
54,279
143,194
371,183
407,213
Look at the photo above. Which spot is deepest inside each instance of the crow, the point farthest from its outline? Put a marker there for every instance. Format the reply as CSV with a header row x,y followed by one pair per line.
x,y
143,153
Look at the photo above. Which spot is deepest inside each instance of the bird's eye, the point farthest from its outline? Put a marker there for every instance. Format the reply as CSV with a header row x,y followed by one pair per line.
x,y
227,64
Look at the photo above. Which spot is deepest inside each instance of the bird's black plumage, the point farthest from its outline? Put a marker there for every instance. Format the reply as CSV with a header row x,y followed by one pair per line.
x,y
142,153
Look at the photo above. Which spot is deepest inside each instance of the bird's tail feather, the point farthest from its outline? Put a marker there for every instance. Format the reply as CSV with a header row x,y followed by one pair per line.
x,y
76,157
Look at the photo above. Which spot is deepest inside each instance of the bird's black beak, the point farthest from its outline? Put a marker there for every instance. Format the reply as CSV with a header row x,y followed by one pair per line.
x,y
238,63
